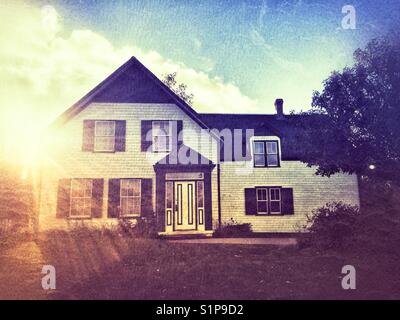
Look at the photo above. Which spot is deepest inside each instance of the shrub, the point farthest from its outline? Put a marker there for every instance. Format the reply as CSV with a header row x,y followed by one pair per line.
x,y
141,228
233,229
331,226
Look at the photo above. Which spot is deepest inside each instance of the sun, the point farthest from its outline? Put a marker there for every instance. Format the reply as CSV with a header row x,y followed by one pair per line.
x,y
24,141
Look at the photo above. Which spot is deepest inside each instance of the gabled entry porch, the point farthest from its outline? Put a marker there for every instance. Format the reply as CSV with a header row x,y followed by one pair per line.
x,y
183,194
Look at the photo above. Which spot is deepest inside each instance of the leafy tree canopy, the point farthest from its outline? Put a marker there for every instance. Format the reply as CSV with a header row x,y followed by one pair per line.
x,y
180,89
354,123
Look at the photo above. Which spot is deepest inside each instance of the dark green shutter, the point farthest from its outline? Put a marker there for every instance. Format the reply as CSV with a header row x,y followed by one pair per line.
x,y
250,201
179,126
114,198
63,198
120,133
147,198
146,126
97,198
88,135
287,201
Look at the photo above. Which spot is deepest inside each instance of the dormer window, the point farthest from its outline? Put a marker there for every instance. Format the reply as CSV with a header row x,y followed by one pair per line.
x,y
266,153
162,136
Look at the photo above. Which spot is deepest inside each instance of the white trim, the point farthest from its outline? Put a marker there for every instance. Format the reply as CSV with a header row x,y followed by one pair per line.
x,y
265,141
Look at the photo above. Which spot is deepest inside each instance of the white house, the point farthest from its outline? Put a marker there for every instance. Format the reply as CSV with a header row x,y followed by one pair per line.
x,y
132,148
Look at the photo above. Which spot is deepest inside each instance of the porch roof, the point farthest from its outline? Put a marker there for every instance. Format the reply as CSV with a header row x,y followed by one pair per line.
x,y
184,156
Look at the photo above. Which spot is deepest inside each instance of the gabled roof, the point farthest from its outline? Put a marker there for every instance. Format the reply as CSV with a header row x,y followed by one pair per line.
x,y
130,83
184,156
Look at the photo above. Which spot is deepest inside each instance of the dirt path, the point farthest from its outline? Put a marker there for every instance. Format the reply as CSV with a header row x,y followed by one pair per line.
x,y
20,272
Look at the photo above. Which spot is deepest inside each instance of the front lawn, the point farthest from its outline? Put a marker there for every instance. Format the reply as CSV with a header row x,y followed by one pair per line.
x,y
104,265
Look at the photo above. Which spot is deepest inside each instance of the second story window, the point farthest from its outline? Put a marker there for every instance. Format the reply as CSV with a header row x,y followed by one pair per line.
x,y
266,154
162,136
104,136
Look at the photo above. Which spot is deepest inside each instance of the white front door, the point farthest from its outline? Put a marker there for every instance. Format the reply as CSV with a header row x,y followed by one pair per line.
x,y
185,206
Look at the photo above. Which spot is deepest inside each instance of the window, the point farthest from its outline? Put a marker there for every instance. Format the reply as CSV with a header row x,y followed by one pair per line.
x,y
275,200
268,200
161,136
259,154
81,198
262,200
104,136
130,197
266,154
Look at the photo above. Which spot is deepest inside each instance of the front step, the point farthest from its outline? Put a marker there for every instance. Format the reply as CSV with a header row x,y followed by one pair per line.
x,y
186,234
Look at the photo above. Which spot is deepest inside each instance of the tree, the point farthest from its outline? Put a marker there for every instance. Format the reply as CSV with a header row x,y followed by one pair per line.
x,y
180,89
354,123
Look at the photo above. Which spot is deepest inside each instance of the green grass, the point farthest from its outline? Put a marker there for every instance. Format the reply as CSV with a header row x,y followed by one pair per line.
x,y
104,265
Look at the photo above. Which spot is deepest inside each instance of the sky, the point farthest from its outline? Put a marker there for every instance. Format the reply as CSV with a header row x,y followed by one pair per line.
x,y
234,56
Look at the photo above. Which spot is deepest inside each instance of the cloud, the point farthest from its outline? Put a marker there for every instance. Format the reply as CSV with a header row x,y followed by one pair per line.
x,y
44,70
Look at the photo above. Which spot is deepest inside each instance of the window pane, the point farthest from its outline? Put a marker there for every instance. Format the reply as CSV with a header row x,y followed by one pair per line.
x,y
164,125
130,187
275,194
272,147
135,187
130,206
169,194
124,206
200,194
88,187
272,159
259,160
87,207
160,128
161,143
261,194
275,207
105,128
104,143
77,189
258,147
77,206
262,206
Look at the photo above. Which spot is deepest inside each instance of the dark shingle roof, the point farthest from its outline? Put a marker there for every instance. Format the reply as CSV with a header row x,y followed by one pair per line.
x,y
263,125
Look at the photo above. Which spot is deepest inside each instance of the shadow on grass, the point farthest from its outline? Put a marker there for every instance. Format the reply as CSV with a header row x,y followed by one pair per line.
x,y
106,265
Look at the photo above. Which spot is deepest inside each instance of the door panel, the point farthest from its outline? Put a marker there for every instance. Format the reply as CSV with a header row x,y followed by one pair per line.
x,y
185,206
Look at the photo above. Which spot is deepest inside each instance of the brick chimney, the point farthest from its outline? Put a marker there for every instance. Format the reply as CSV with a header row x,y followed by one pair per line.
x,y
279,108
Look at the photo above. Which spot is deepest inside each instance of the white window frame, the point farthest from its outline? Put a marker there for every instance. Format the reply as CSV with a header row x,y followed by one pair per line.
x,y
127,197
96,148
265,153
270,201
85,198
169,134
263,200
